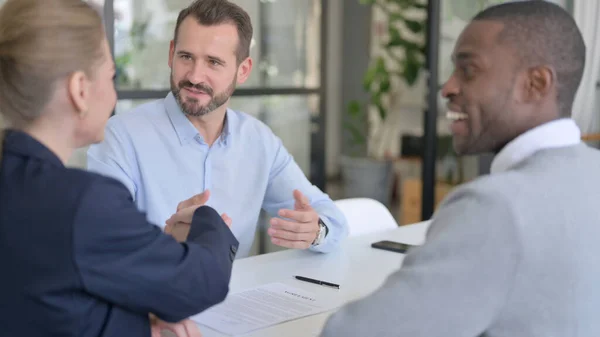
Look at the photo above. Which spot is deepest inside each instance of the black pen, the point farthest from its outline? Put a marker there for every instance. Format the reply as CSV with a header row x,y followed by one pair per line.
x,y
323,283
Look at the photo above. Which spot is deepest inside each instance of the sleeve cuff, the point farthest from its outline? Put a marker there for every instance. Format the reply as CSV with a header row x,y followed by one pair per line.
x,y
328,227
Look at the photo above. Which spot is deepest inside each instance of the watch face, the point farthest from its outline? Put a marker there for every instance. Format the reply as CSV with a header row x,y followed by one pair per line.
x,y
323,226
321,231
320,234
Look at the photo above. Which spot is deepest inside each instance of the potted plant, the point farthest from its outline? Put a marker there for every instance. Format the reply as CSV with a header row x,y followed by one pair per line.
x,y
399,60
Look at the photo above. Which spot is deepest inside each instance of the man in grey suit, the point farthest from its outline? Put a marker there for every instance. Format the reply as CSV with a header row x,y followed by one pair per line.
x,y
514,253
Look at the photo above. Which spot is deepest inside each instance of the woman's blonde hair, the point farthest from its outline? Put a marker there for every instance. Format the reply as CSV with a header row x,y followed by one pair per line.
x,y
41,43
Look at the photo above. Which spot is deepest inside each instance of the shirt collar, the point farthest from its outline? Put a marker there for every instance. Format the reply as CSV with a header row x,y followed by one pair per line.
x,y
559,133
23,144
186,131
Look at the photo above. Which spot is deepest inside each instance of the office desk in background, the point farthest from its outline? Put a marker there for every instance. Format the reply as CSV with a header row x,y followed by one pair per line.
x,y
356,267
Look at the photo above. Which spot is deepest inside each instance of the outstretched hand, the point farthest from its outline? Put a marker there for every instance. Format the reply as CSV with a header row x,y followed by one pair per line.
x,y
300,227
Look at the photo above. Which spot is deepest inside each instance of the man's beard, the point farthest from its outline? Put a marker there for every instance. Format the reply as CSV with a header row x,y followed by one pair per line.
x,y
191,107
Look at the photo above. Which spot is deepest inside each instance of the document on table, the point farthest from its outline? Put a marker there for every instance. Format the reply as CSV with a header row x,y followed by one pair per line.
x,y
261,307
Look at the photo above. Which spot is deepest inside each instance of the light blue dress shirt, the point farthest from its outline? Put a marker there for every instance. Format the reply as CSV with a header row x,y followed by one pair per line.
x,y
162,159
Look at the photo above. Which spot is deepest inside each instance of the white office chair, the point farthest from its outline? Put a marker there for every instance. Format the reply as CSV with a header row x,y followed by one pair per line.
x,y
365,215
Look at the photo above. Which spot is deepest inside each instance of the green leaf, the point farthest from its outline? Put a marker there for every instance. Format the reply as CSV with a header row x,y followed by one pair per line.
x,y
124,59
366,2
414,26
354,108
374,74
385,85
380,66
412,66
395,38
381,110
404,4
420,6
410,45
376,98
369,78
393,17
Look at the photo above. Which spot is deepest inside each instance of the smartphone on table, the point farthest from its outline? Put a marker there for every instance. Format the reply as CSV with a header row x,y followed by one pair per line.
x,y
391,246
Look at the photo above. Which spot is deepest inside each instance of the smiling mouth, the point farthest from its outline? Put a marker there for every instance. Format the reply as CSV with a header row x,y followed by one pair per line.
x,y
196,92
456,116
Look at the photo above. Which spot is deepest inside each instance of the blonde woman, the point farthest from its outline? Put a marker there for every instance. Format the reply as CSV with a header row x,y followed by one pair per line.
x,y
78,258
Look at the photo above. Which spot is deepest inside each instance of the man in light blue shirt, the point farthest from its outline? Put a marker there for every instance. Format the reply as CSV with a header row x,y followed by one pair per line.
x,y
190,142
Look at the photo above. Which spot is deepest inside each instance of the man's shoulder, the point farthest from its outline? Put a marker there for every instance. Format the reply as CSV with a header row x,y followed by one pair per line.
x,y
500,191
517,186
566,158
474,209
492,186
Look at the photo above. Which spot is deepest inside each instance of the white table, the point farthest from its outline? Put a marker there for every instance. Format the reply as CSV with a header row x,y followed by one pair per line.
x,y
356,267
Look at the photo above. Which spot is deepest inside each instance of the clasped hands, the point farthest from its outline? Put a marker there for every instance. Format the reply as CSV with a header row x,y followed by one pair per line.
x,y
185,328
297,228
178,225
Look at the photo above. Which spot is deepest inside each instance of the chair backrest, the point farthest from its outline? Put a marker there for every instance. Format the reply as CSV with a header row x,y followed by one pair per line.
x,y
366,215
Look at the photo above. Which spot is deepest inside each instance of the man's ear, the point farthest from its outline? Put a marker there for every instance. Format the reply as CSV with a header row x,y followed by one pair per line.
x,y
540,83
171,53
244,70
78,89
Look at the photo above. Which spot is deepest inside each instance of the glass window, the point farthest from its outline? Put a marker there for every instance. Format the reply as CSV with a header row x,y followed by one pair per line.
x,y
454,17
290,119
288,116
125,105
285,48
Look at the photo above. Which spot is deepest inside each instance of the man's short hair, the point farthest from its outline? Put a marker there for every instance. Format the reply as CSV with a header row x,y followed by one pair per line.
x,y
543,33
216,12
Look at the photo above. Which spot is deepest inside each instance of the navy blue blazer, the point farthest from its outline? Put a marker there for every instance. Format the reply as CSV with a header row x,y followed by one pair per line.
x,y
79,259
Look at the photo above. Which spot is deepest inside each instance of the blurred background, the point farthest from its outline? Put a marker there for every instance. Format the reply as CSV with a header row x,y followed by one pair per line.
x,y
344,83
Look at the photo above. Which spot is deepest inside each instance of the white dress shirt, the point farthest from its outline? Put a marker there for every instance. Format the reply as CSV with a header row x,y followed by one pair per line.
x,y
558,133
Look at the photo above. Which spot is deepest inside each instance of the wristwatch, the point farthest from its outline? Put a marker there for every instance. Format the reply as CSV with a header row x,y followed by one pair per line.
x,y
323,230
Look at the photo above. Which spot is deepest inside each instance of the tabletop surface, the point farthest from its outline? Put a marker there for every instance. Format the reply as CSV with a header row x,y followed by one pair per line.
x,y
356,267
